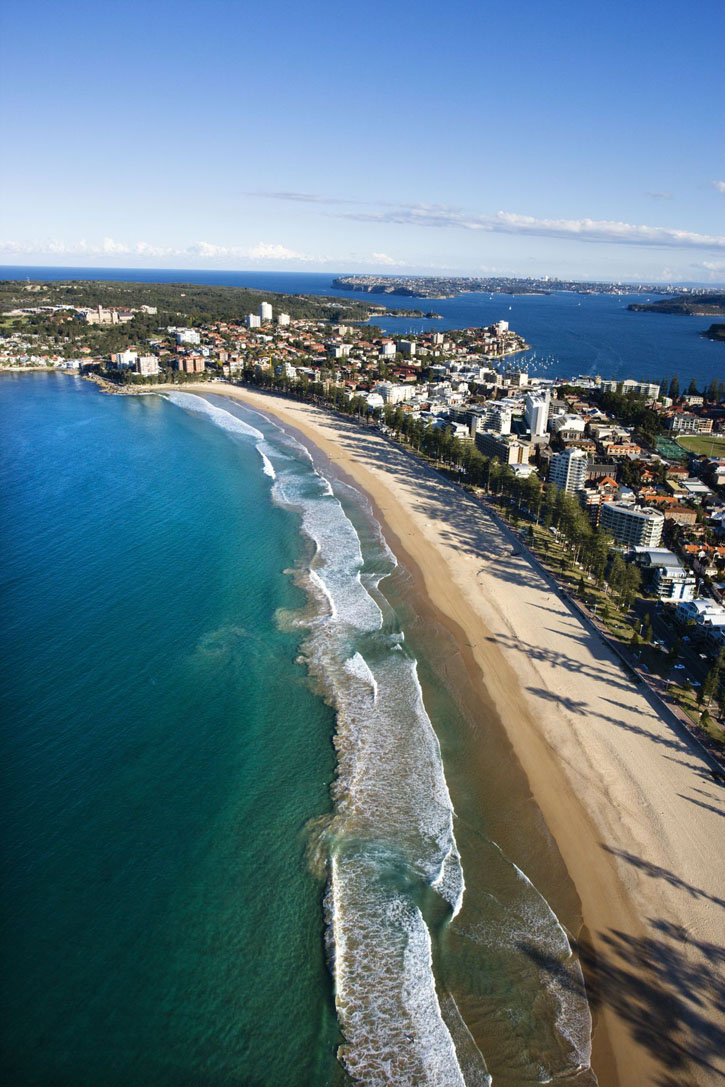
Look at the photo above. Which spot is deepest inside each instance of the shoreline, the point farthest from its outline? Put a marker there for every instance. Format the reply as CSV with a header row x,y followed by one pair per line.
x,y
646,860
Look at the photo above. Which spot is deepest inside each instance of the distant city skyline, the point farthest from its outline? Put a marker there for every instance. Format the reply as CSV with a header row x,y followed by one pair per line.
x,y
542,140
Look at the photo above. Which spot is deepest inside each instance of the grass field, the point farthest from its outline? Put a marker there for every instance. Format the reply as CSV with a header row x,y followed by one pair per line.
x,y
711,445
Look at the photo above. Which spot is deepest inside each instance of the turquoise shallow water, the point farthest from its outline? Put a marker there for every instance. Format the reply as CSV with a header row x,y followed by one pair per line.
x,y
162,753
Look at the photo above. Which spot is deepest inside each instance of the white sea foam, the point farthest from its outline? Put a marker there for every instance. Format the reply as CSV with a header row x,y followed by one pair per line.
x,y
385,992
358,666
338,558
267,466
221,418
392,833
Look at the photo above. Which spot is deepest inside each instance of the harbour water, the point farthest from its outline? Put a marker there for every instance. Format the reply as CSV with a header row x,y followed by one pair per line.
x,y
570,334
242,841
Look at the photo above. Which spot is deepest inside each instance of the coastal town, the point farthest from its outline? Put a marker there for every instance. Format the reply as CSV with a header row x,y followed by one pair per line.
x,y
631,471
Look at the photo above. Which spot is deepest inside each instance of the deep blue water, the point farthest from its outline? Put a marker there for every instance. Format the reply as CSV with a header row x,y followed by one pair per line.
x,y
569,334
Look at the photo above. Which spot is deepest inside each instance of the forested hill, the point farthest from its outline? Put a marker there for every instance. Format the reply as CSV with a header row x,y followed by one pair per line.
x,y
694,305
197,303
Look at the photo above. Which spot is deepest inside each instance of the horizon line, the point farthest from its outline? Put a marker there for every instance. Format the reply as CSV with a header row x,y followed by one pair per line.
x,y
381,275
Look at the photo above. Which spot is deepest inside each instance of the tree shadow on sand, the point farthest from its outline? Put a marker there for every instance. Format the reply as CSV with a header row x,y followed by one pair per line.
x,y
668,990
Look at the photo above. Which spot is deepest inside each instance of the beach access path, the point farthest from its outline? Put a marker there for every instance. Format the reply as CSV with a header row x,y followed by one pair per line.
x,y
630,801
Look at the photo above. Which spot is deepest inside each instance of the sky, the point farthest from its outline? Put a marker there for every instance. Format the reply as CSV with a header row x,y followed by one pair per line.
x,y
563,138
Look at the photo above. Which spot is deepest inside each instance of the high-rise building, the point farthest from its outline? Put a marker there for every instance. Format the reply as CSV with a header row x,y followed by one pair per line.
x,y
632,525
148,365
568,470
253,321
282,319
537,412
406,347
125,360
497,418
265,311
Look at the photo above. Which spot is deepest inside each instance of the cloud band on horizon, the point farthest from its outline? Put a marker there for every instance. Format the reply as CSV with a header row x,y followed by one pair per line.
x,y
438,216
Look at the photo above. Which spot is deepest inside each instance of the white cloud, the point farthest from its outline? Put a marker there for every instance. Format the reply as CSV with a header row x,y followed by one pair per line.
x,y
713,271
383,258
659,195
262,251
507,222
720,186
265,251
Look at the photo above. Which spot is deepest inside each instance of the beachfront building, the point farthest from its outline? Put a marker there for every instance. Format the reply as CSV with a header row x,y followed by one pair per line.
x,y
147,365
394,394
630,387
568,470
265,312
537,412
124,360
632,525
191,364
665,574
709,617
504,447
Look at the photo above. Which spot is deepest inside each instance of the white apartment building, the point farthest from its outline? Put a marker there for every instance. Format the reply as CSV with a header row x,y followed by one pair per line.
x,y
689,424
124,360
394,394
537,412
388,349
265,311
668,577
497,419
187,335
568,470
629,386
569,423
339,350
632,525
283,319
253,321
406,347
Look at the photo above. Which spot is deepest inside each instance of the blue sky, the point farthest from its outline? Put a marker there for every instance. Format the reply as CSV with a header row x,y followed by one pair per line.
x,y
552,138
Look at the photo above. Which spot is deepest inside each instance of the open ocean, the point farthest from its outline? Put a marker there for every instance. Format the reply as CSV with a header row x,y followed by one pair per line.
x,y
237,822
570,334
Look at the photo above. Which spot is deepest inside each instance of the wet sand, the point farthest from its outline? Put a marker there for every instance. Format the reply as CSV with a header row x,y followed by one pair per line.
x,y
631,804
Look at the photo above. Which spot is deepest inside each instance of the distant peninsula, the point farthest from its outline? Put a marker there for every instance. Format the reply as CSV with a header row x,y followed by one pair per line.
x,y
700,304
715,332
452,286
